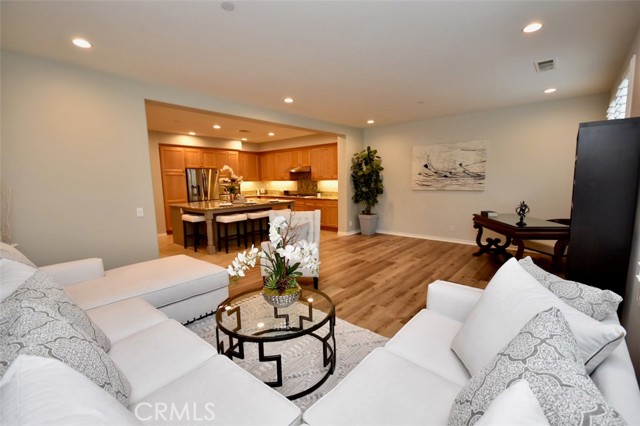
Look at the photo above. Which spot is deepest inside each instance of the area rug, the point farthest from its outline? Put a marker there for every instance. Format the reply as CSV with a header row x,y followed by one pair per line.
x,y
302,357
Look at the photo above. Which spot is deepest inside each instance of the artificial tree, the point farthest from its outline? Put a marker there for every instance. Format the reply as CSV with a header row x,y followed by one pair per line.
x,y
366,175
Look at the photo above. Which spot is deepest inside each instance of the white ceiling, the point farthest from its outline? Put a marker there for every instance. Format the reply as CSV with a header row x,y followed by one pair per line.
x,y
342,61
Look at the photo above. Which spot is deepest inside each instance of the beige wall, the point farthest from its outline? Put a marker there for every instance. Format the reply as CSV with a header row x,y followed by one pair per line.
x,y
631,313
76,159
530,155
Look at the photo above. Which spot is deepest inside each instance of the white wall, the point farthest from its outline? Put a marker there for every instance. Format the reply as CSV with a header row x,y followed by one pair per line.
x,y
530,156
631,313
76,158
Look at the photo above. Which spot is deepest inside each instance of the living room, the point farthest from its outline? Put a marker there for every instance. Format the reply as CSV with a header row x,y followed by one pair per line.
x,y
76,164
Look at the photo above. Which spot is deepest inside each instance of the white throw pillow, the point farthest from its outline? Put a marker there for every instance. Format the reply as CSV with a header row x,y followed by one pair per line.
x,y
515,406
512,298
45,391
12,275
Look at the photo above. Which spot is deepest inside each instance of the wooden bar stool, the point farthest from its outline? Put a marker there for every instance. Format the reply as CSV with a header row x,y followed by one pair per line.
x,y
226,220
195,220
258,218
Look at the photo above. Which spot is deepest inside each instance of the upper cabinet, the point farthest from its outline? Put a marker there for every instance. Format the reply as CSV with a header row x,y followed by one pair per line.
x,y
192,157
324,162
249,167
227,158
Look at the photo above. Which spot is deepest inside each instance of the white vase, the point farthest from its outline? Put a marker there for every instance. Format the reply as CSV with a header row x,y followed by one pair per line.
x,y
368,223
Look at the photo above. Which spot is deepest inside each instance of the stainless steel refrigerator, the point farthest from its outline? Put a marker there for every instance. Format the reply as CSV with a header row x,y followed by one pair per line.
x,y
202,184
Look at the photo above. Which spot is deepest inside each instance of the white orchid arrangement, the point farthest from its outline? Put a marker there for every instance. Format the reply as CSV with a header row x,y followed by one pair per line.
x,y
285,256
232,178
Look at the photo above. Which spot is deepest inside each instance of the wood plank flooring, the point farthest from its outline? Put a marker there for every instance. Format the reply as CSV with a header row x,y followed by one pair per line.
x,y
377,282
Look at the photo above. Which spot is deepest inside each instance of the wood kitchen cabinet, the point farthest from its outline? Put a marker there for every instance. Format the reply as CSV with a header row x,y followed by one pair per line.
x,y
249,167
192,157
267,166
324,162
209,158
300,157
228,158
174,184
328,211
282,164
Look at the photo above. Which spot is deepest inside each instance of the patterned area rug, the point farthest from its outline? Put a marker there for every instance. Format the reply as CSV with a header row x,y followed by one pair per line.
x,y
302,357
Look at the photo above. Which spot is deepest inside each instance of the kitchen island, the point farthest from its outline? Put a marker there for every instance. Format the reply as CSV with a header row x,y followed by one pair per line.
x,y
211,209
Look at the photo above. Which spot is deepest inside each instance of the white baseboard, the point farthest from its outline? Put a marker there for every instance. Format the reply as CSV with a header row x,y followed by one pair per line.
x,y
427,237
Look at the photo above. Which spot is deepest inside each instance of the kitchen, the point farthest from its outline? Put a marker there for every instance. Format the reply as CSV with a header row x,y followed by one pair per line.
x,y
274,161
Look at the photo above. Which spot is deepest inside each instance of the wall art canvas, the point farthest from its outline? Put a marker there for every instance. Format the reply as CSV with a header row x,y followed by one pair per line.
x,y
457,166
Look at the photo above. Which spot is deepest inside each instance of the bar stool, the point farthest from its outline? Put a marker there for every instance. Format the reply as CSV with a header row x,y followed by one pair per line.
x,y
226,220
258,217
195,220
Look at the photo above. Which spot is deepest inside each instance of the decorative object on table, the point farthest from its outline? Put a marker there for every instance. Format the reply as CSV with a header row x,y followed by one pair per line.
x,y
366,175
488,213
231,183
522,211
458,166
286,254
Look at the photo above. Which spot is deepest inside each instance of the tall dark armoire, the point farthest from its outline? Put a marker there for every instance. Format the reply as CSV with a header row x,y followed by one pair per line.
x,y
605,195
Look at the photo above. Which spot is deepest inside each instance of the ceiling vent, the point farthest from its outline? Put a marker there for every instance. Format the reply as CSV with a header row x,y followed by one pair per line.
x,y
547,65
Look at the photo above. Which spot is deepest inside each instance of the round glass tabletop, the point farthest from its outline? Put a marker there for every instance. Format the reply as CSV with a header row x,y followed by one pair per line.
x,y
250,317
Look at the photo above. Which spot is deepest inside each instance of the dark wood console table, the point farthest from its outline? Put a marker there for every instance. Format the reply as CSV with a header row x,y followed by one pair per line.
x,y
535,229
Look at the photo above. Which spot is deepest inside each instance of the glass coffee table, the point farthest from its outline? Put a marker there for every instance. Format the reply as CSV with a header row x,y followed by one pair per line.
x,y
248,318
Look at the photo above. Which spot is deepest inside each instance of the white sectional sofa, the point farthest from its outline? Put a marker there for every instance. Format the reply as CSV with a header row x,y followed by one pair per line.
x,y
415,378
173,376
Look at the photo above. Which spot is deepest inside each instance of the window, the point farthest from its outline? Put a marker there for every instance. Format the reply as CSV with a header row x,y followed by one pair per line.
x,y
621,102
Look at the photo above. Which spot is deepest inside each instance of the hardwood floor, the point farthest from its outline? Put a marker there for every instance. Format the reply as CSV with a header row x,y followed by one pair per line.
x,y
377,282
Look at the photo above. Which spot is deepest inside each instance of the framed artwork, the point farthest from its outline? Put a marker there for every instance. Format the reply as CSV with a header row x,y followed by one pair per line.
x,y
457,166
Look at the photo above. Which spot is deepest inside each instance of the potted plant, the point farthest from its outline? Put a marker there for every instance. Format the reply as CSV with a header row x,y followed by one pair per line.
x,y
285,255
366,168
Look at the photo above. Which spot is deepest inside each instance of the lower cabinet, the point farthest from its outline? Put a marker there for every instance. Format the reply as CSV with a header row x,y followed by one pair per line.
x,y
328,211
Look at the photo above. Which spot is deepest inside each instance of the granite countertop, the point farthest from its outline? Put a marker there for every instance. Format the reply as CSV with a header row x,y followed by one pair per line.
x,y
299,197
217,204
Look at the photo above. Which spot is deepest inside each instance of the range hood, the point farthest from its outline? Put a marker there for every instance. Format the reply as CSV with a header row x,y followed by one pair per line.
x,y
300,169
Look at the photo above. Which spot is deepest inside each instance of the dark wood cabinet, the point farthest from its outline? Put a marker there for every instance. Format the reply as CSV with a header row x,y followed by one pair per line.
x,y
605,195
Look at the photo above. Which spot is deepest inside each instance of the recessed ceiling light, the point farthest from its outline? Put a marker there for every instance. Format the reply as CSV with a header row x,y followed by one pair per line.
x,y
228,6
532,27
550,90
288,100
80,42
271,134
216,126
192,133
370,121
244,139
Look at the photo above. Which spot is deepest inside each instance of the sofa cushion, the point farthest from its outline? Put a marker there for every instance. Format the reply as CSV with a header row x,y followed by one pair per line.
x,y
9,252
512,298
123,319
160,282
385,389
515,406
13,274
34,329
546,355
41,289
39,391
592,301
159,355
219,392
426,341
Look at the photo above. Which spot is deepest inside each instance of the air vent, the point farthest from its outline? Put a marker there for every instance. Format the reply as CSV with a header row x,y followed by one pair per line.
x,y
548,65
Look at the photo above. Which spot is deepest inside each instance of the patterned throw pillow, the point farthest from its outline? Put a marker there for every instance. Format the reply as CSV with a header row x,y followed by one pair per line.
x,y
546,355
596,303
32,328
42,290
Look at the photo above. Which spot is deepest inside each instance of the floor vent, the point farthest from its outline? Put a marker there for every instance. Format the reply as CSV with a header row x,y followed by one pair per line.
x,y
548,65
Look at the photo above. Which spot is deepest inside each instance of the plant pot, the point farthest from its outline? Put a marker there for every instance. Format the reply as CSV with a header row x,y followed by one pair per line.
x,y
368,223
281,300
